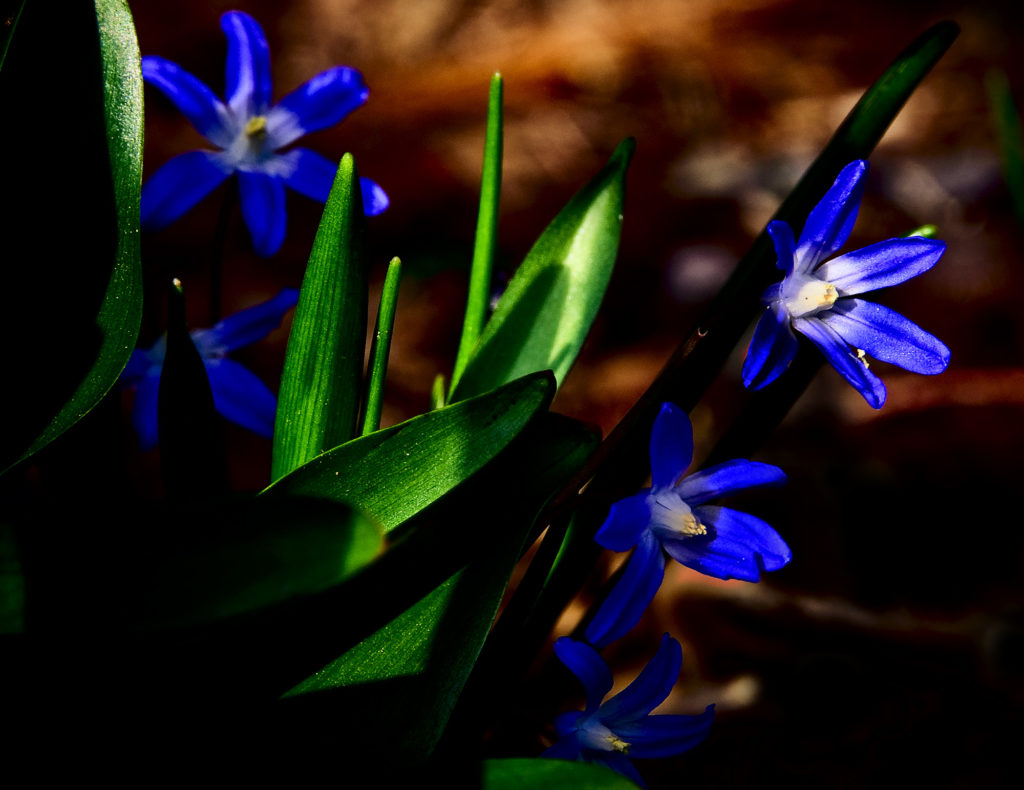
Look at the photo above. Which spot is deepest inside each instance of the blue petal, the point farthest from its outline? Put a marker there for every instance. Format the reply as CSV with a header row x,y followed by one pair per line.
x,y
191,96
626,522
618,762
248,65
246,326
262,199
648,690
375,199
138,366
785,245
625,605
585,663
665,736
312,174
568,748
318,104
144,418
881,265
671,445
886,335
727,478
838,353
738,546
568,722
178,186
241,397
830,222
772,348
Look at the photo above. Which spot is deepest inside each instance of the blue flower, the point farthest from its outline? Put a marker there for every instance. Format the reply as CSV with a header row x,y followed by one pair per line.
x,y
671,516
249,133
818,301
612,732
237,394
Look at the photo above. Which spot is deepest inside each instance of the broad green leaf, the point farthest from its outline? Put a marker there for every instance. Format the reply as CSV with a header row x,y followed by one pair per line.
x,y
539,774
323,367
380,347
544,316
395,473
479,298
242,558
418,663
71,225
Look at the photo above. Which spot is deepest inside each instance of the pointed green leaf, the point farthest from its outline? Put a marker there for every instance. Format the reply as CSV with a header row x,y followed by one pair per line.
x,y
479,298
418,663
395,473
380,347
517,773
544,316
71,237
323,367
241,558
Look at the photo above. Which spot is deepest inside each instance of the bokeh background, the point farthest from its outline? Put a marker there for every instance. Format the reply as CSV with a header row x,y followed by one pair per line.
x,y
892,648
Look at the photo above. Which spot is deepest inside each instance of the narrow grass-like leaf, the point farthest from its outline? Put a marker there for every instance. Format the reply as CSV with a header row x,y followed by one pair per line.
x,y
71,241
322,378
517,773
380,347
395,473
418,663
239,558
1010,136
543,318
192,458
479,298
438,392
9,27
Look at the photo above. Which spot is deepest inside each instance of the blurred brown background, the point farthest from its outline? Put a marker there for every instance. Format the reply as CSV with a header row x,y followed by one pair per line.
x,y
891,648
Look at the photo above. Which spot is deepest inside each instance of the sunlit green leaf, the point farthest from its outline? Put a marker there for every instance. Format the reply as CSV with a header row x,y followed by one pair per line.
x,y
71,226
551,302
323,368
395,473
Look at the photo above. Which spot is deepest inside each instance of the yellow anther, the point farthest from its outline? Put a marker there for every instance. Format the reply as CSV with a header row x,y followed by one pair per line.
x,y
257,126
617,744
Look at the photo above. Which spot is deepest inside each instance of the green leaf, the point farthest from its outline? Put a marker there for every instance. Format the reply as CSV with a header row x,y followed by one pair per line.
x,y
395,473
323,367
240,558
192,457
71,232
1010,136
517,773
544,316
479,298
417,664
373,403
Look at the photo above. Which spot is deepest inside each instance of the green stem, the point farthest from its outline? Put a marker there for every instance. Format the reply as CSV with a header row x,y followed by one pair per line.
x,y
380,347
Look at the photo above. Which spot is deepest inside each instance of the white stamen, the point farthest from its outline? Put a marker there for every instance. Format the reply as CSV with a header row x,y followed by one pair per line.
x,y
805,294
673,517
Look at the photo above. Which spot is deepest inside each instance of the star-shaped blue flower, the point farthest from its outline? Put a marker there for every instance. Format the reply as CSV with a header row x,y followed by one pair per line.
x,y
237,393
672,516
612,732
250,133
819,300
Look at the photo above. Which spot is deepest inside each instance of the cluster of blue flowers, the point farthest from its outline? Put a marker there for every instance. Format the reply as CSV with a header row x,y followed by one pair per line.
x,y
673,516
817,297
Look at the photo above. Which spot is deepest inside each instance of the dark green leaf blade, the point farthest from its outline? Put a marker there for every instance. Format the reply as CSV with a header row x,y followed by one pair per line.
x,y
419,662
323,369
517,773
240,558
74,283
551,302
395,473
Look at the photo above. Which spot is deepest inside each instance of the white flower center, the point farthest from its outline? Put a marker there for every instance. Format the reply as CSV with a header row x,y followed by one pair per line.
x,y
672,517
250,149
805,294
595,735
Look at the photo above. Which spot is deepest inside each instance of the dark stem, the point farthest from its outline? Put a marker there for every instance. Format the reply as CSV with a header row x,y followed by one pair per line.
x,y
220,233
